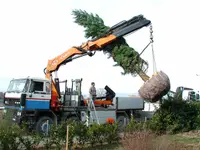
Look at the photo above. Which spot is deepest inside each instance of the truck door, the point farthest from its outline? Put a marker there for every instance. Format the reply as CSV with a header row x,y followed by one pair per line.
x,y
39,97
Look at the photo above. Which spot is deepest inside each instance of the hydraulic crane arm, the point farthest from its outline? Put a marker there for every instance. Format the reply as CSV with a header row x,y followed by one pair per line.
x,y
117,31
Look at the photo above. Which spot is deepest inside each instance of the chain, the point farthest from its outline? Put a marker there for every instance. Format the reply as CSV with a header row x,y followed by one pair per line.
x,y
151,33
153,55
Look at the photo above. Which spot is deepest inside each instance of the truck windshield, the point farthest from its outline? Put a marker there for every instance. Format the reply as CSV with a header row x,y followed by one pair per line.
x,y
17,85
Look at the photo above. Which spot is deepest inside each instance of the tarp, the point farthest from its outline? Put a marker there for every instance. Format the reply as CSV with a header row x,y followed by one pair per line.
x,y
155,88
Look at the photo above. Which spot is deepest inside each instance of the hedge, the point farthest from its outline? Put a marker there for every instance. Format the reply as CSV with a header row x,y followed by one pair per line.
x,y
15,137
174,116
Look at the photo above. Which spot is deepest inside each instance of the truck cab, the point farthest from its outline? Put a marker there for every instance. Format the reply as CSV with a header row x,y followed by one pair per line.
x,y
37,91
27,98
30,99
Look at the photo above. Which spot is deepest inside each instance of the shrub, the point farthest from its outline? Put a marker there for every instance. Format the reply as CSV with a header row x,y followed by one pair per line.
x,y
29,142
96,134
7,119
111,133
175,116
81,133
56,136
138,126
197,118
9,138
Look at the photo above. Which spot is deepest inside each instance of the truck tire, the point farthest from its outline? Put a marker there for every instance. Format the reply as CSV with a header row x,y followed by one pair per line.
x,y
121,120
41,125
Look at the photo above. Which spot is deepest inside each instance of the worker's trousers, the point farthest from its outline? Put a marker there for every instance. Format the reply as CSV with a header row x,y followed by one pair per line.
x,y
93,97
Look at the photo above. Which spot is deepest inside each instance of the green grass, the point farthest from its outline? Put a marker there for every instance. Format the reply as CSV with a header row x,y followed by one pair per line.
x,y
183,139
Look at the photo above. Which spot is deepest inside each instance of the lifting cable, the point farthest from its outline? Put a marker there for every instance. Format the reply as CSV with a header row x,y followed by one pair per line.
x,y
153,55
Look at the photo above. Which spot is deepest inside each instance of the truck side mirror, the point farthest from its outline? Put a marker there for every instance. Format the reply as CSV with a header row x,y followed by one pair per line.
x,y
23,100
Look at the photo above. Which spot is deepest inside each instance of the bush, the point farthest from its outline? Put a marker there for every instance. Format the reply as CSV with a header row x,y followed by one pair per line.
x,y
8,138
176,116
29,142
138,126
56,136
172,117
96,134
15,137
81,134
111,133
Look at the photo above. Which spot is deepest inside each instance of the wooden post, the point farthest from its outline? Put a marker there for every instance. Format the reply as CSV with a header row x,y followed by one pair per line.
x,y
67,137
144,125
47,127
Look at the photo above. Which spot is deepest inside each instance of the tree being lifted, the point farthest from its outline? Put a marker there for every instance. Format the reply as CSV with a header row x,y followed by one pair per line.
x,y
124,56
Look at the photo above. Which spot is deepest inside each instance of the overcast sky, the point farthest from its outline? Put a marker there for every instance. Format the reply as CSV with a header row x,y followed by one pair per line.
x,y
31,32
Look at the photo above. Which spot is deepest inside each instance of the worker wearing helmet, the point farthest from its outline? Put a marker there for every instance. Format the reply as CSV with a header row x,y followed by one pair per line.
x,y
92,91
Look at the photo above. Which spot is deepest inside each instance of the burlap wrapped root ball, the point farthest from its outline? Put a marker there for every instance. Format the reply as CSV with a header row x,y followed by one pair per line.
x,y
155,88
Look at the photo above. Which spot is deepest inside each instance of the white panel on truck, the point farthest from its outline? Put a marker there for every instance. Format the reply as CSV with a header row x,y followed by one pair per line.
x,y
103,115
123,103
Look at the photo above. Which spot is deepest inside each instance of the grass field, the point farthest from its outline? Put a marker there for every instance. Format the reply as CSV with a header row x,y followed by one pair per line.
x,y
189,139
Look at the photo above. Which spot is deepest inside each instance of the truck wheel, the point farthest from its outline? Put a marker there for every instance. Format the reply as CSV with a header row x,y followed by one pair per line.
x,y
42,126
121,120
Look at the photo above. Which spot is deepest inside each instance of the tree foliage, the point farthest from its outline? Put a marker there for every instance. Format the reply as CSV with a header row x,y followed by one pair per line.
x,y
124,55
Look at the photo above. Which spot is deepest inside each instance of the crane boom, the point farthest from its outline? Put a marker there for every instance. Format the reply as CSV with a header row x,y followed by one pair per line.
x,y
117,31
